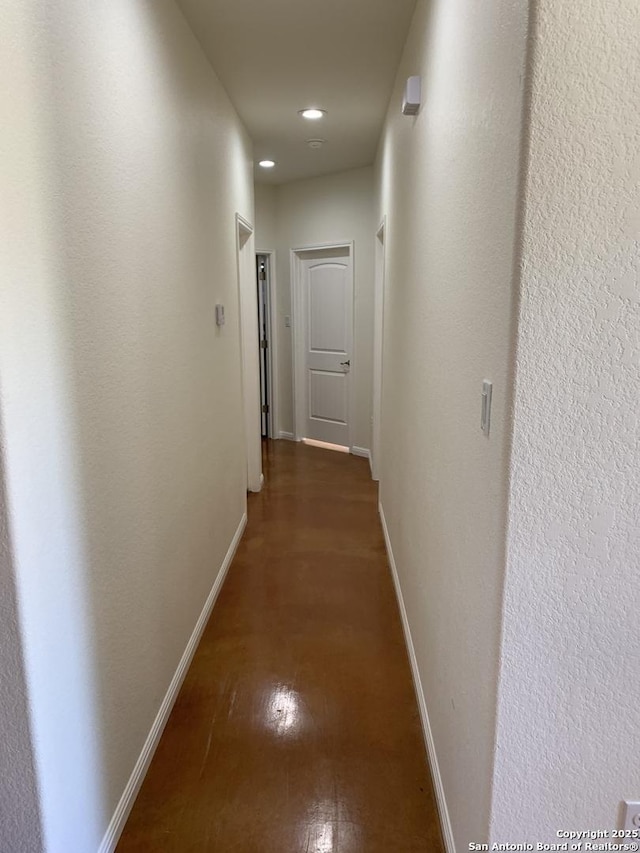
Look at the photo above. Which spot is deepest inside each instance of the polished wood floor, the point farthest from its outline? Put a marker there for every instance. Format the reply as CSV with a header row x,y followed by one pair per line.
x,y
296,729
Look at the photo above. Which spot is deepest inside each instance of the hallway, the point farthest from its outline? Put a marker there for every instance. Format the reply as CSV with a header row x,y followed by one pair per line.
x,y
296,729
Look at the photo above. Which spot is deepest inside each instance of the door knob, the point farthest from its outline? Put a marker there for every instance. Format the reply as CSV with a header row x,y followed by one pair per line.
x,y
345,363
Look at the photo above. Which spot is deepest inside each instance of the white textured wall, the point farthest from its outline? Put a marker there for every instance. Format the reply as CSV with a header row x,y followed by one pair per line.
x,y
328,209
123,167
448,184
568,737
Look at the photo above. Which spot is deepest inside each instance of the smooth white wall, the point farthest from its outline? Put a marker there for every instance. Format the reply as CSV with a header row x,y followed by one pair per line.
x,y
448,185
265,204
320,210
568,742
123,166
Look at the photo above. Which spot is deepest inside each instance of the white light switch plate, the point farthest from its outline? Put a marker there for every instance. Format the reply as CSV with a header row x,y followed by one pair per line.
x,y
485,417
631,814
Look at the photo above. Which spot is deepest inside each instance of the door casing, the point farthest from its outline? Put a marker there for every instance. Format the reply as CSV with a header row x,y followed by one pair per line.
x,y
248,327
378,335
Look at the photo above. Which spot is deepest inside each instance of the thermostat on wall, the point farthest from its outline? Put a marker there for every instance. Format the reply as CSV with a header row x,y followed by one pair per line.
x,y
219,315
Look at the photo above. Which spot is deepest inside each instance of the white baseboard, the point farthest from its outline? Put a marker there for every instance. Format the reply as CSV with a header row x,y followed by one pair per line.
x,y
127,800
288,435
361,451
445,821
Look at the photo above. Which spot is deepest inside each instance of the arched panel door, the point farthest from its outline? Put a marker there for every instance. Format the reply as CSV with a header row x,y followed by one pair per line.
x,y
327,286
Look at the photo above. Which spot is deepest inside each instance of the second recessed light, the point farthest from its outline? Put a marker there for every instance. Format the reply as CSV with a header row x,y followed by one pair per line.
x,y
313,113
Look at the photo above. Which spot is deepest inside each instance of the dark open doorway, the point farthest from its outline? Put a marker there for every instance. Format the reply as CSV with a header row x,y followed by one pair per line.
x,y
263,277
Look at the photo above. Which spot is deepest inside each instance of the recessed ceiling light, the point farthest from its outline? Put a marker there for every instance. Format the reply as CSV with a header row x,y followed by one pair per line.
x,y
313,113
267,164
316,143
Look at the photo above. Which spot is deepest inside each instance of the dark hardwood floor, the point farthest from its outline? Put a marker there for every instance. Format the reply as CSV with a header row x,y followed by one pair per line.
x,y
296,729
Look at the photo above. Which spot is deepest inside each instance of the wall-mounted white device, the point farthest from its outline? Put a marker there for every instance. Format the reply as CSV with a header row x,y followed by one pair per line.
x,y
412,97
631,814
219,315
485,417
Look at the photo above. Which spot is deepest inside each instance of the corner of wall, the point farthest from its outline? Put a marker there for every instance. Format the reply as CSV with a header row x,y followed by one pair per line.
x,y
568,703
20,827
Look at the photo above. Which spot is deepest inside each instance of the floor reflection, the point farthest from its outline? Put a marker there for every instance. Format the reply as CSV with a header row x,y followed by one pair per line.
x,y
284,712
323,840
328,830
317,834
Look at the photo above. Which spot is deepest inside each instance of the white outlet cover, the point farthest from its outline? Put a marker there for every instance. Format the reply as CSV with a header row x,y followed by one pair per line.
x,y
631,814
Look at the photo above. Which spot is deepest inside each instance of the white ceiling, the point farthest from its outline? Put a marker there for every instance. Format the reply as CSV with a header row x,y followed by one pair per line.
x,y
275,57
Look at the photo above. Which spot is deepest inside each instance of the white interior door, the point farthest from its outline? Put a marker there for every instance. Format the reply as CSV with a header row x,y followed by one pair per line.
x,y
326,285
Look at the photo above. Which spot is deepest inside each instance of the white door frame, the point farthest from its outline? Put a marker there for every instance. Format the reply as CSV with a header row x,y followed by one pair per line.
x,y
249,348
297,350
378,335
272,325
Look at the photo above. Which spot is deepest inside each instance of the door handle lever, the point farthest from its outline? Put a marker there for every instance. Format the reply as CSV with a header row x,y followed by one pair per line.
x,y
345,363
